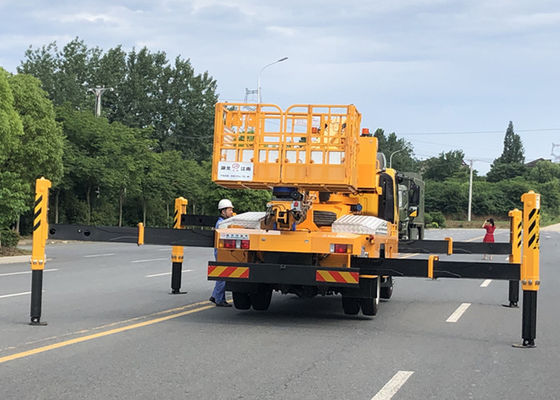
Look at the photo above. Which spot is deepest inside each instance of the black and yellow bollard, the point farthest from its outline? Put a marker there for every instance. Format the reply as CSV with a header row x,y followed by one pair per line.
x,y
38,257
530,280
516,239
177,251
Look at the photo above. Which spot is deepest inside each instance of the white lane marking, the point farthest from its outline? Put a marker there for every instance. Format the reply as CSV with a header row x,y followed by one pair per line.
x,y
458,312
152,259
486,283
27,272
16,294
13,295
99,255
388,391
164,249
165,273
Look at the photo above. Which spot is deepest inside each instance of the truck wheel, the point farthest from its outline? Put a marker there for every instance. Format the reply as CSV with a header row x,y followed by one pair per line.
x,y
369,305
350,305
387,291
261,299
241,300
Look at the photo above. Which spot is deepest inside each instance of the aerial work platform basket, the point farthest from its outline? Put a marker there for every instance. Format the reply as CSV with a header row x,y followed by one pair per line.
x,y
312,147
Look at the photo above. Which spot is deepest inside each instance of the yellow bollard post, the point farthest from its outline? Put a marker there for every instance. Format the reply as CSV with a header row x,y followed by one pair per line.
x,y
530,280
516,240
177,251
449,245
38,257
431,260
140,241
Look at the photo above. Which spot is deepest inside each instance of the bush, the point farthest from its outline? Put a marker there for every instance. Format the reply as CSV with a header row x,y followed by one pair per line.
x,y
438,217
9,238
427,218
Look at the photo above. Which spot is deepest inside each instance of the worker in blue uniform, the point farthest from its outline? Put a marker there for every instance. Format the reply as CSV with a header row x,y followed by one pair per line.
x,y
219,294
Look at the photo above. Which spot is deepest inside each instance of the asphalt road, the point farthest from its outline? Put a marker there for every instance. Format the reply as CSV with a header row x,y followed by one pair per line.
x,y
114,332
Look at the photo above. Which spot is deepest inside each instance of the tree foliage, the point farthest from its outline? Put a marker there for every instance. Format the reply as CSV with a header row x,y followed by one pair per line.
x,y
149,91
511,163
450,164
42,138
30,143
402,151
152,144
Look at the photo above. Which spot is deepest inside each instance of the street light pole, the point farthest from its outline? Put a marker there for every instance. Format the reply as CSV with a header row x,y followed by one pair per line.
x,y
259,77
393,153
470,191
98,91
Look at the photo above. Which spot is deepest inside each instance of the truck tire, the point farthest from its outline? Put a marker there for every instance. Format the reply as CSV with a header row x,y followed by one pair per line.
x,y
369,305
350,305
241,300
387,291
260,300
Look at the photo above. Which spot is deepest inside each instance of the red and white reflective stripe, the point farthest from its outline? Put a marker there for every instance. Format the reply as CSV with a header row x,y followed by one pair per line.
x,y
337,276
217,271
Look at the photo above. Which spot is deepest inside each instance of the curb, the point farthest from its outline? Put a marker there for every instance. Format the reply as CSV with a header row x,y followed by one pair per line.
x,y
551,228
15,259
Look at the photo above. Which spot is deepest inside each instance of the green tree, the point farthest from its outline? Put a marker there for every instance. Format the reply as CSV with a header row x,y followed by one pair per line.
x,y
39,152
101,157
513,148
511,163
544,171
13,188
66,74
446,165
149,91
403,159
449,197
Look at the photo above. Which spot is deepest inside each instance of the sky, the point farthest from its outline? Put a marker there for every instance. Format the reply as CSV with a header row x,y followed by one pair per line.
x,y
444,75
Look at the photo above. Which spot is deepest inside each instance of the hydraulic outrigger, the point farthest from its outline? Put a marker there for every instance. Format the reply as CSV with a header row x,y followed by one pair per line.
x,y
330,228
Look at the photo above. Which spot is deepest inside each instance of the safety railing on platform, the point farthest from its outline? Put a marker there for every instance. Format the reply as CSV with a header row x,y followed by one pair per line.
x,y
312,147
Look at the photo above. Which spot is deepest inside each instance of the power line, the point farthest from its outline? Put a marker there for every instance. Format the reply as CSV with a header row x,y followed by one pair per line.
x,y
478,132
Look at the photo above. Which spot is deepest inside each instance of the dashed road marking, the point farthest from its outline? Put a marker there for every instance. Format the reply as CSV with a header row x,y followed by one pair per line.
x,y
388,391
5,296
166,273
458,312
99,255
27,272
149,260
486,283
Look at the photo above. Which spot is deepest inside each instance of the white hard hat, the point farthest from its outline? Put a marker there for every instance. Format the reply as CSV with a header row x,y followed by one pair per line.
x,y
224,203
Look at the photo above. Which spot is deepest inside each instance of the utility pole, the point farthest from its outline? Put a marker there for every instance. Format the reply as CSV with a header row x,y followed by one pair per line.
x,y
98,91
470,190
